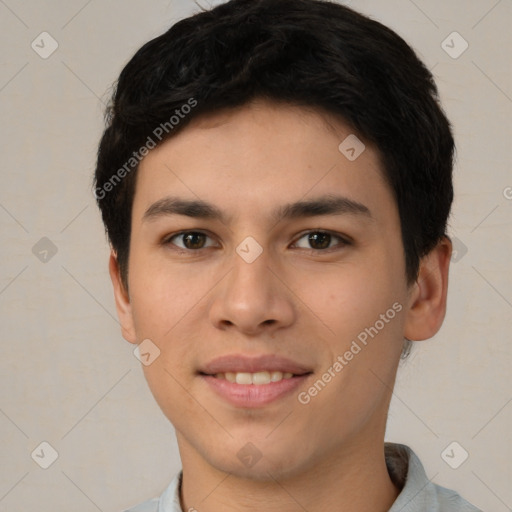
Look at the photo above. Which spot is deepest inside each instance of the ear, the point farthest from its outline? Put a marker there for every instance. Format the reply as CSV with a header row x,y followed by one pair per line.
x,y
123,306
427,297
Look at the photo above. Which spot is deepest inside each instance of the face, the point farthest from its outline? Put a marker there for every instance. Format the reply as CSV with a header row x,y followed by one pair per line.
x,y
290,270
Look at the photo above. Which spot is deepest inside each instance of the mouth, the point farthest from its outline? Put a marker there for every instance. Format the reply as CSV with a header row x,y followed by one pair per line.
x,y
257,378
253,381
258,366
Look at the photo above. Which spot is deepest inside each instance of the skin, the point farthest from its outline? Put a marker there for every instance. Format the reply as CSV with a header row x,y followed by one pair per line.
x,y
196,306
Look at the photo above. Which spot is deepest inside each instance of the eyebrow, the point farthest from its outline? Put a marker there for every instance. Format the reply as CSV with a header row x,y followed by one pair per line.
x,y
199,209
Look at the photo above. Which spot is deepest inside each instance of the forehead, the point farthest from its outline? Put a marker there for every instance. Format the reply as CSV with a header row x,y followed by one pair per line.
x,y
260,156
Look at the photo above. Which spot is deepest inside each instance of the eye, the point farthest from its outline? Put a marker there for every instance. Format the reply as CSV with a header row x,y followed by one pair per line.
x,y
196,240
192,240
321,240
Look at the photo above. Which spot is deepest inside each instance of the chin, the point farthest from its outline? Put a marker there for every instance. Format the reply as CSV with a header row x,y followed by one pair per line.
x,y
262,461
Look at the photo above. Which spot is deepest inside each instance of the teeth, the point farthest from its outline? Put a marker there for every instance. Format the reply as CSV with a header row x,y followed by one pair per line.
x,y
261,378
257,378
276,376
231,377
243,378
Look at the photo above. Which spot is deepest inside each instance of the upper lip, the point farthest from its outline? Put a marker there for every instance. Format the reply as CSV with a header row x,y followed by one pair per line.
x,y
239,363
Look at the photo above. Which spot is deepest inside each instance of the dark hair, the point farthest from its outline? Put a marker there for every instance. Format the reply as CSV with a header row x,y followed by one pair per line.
x,y
308,53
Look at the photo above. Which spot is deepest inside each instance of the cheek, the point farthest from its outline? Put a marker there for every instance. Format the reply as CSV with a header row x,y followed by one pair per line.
x,y
347,299
162,296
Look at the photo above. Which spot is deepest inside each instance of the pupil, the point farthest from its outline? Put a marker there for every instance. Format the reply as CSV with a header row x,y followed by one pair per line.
x,y
191,236
314,237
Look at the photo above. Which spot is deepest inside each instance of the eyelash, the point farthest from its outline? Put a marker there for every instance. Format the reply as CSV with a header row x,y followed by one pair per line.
x,y
344,241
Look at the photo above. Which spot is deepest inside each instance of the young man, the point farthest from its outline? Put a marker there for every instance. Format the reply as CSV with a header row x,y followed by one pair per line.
x,y
275,182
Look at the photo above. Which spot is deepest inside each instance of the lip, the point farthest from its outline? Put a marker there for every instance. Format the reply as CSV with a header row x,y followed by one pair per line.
x,y
268,362
252,395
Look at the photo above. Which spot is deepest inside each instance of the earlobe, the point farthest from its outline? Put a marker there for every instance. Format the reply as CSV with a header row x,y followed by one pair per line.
x,y
122,299
427,306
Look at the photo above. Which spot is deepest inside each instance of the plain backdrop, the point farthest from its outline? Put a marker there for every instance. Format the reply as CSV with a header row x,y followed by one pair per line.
x,y
69,379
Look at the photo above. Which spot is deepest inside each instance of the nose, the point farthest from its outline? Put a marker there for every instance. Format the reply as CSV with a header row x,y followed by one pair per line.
x,y
253,298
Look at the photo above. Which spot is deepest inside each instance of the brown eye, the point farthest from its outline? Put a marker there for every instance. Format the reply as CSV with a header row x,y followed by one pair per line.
x,y
321,240
191,240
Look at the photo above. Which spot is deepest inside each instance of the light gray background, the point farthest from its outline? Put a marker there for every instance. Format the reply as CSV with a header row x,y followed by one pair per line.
x,y
66,375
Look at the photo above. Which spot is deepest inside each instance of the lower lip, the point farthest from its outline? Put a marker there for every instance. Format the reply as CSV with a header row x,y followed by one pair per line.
x,y
252,395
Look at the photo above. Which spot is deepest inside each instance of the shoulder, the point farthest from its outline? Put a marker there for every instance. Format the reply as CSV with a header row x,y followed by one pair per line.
x,y
450,500
418,493
169,501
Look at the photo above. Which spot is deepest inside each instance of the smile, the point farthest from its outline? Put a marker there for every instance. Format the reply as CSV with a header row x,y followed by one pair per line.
x,y
258,378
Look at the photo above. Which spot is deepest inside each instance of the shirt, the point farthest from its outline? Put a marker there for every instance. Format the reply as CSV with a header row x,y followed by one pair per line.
x,y
418,493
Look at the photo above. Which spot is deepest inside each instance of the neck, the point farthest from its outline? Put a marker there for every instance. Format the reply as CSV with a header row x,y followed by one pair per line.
x,y
353,478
